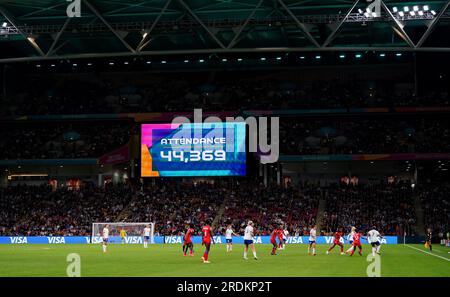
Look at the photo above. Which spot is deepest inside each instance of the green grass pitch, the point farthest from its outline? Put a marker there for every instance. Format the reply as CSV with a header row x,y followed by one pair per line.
x,y
167,260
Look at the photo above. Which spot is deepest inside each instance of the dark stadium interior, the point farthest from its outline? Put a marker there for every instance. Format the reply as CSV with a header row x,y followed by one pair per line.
x,y
364,134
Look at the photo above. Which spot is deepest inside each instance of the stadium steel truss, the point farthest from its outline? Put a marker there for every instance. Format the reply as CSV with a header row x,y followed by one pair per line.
x,y
46,29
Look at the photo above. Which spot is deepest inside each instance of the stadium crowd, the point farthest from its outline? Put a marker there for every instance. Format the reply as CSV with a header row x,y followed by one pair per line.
x,y
297,136
364,136
39,210
270,207
173,206
388,207
50,141
436,206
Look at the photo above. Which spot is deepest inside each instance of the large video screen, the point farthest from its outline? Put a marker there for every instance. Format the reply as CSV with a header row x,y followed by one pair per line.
x,y
193,149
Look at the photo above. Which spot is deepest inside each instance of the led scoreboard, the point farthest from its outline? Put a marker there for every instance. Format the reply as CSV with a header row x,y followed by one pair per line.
x,y
193,149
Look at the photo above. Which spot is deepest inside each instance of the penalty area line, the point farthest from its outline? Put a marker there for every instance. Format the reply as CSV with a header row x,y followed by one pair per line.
x,y
447,259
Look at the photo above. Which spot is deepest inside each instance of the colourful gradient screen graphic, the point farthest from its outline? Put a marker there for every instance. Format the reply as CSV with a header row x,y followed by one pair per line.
x,y
193,149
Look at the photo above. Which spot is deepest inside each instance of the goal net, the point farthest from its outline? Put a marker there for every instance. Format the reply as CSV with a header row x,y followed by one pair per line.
x,y
134,232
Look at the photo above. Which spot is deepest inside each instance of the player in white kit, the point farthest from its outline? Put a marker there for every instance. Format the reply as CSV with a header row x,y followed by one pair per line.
x,y
350,240
312,241
229,238
105,237
248,240
374,239
146,235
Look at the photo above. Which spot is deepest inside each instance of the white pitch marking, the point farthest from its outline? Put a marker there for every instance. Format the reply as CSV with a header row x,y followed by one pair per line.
x,y
447,259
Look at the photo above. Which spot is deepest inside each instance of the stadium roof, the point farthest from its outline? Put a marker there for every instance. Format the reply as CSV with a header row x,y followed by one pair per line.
x,y
41,29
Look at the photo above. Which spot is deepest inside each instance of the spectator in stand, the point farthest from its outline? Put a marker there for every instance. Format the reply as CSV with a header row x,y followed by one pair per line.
x,y
436,206
298,137
185,91
389,207
43,141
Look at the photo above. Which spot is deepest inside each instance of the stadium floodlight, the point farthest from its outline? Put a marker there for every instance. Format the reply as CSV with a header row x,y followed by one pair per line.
x,y
318,57
395,9
398,54
366,14
224,60
239,59
426,8
148,62
38,66
412,13
382,55
5,24
416,8
89,64
53,65
111,63
368,10
360,11
201,60
374,14
420,12
342,56
186,61
401,13
74,65
302,57
433,12
358,56
125,63
406,8
278,58
263,59
163,62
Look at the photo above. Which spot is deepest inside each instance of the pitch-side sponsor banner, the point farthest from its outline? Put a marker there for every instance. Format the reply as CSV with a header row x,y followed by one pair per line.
x,y
167,240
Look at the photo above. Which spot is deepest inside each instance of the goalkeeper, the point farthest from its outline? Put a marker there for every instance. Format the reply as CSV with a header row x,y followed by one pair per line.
x,y
123,234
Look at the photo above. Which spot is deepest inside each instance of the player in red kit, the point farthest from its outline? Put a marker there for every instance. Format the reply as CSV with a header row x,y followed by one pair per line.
x,y
280,238
187,244
337,241
206,241
356,243
273,240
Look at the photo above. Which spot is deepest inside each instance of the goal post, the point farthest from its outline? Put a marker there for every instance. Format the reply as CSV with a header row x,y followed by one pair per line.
x,y
133,231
